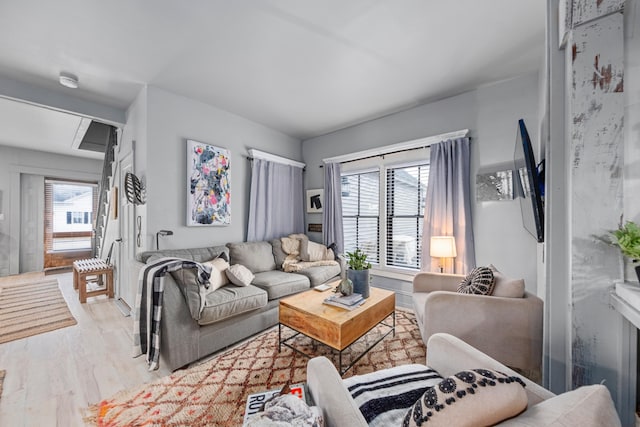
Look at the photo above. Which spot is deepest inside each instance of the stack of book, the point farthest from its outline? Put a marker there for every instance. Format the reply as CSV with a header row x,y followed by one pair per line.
x,y
348,302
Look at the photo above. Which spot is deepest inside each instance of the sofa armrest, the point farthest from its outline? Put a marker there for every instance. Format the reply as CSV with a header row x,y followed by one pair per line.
x,y
449,355
507,329
430,282
587,406
330,394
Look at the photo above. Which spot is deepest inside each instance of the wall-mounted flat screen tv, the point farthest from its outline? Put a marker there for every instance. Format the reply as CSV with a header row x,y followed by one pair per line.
x,y
531,184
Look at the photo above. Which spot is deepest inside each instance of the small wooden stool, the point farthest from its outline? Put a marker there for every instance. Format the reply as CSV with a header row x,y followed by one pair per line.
x,y
88,268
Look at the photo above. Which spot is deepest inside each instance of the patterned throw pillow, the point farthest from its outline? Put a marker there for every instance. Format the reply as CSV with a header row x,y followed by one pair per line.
x,y
479,282
384,396
477,397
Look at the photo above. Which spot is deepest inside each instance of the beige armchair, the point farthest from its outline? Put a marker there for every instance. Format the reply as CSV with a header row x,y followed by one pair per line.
x,y
507,329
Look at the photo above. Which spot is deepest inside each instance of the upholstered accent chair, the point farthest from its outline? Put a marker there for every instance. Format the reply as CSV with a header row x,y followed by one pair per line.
x,y
507,328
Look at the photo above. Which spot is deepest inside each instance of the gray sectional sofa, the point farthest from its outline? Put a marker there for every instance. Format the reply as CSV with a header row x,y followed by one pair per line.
x,y
231,313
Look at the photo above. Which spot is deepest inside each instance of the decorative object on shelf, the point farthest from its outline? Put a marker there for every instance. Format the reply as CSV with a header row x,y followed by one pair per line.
x,y
134,189
494,185
162,233
315,228
358,272
315,199
627,238
209,189
345,287
443,247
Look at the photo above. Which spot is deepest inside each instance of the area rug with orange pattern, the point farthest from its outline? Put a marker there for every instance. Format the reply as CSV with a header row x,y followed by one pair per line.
x,y
214,392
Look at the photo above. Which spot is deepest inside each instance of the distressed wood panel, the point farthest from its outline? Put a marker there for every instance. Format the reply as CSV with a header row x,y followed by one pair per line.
x,y
596,156
588,10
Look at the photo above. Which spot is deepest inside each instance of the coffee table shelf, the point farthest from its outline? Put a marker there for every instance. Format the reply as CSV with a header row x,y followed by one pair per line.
x,y
333,326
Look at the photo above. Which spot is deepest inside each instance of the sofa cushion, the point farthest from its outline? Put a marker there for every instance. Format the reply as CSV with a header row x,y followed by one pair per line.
x,y
384,396
229,301
193,254
239,275
476,397
320,274
278,284
478,282
187,281
588,406
256,256
506,287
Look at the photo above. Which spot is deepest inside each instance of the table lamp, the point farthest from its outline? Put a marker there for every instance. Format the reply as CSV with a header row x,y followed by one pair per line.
x,y
443,247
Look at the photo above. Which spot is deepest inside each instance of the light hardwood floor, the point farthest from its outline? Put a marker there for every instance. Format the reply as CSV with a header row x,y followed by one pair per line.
x,y
53,377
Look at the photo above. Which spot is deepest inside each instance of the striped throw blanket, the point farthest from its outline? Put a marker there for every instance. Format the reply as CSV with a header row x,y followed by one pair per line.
x,y
385,396
148,307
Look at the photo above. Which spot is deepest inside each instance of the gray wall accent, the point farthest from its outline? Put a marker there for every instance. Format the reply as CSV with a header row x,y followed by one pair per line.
x,y
17,161
491,114
596,169
161,153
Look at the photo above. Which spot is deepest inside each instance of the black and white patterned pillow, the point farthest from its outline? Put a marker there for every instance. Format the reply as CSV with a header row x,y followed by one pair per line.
x,y
384,396
480,282
477,397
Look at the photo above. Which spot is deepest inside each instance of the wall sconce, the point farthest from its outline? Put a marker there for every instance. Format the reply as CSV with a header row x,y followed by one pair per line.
x,y
443,247
162,233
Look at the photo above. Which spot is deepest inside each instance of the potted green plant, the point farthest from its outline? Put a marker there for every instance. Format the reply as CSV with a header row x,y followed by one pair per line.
x,y
627,238
358,271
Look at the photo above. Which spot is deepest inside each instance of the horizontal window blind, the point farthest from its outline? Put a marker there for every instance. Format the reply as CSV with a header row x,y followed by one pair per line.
x,y
361,213
406,193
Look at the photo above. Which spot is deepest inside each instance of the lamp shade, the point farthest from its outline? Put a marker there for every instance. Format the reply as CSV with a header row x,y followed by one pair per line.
x,y
443,247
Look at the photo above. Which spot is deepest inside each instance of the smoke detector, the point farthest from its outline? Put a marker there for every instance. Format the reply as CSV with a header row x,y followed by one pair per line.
x,y
68,80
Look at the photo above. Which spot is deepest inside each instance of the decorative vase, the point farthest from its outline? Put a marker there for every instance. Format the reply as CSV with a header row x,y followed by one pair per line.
x,y
360,279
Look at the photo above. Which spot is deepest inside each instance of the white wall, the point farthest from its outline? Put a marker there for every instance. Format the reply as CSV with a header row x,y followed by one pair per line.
x,y
491,114
170,121
17,161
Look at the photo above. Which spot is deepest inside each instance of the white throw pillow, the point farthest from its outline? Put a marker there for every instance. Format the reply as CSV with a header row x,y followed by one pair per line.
x,y
506,287
475,397
240,275
218,277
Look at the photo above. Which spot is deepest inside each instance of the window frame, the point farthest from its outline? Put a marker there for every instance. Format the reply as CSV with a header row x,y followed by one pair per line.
x,y
382,165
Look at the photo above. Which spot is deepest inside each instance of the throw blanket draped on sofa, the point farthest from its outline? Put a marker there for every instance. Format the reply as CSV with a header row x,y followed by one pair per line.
x,y
148,307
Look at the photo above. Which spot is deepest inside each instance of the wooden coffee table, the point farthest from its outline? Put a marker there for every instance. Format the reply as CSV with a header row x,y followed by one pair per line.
x,y
336,327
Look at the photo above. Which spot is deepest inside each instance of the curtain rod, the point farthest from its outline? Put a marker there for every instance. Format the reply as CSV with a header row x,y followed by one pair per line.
x,y
396,148
263,155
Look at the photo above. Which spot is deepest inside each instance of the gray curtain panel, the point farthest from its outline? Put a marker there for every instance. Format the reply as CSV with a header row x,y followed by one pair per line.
x,y
276,201
332,211
448,205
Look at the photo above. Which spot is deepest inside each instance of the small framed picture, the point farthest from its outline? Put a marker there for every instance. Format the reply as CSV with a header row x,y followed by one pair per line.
x,y
315,199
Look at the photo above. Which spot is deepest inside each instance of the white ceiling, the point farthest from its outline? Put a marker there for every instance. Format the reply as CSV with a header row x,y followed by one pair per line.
x,y
302,67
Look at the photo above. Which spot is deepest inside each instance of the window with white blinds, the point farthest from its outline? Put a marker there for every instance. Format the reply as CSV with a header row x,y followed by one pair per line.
x,y
383,200
406,192
361,213
69,208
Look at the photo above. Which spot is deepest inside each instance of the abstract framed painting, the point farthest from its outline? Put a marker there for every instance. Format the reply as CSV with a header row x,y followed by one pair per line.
x,y
208,185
